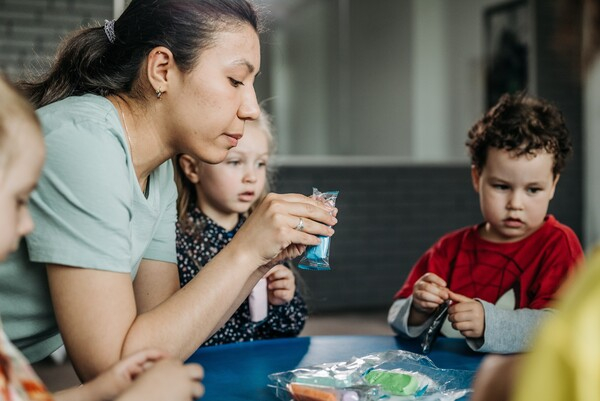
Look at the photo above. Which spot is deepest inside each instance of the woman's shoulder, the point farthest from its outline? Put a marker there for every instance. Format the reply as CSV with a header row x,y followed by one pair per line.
x,y
88,124
97,110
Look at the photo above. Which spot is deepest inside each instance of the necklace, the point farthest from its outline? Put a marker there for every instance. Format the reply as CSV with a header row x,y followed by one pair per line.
x,y
126,130
147,186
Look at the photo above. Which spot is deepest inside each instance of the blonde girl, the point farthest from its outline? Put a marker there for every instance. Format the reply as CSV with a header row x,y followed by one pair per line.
x,y
214,202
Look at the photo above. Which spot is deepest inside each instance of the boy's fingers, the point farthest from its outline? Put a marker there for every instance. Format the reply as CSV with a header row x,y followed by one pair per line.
x,y
431,305
427,300
440,293
458,297
434,279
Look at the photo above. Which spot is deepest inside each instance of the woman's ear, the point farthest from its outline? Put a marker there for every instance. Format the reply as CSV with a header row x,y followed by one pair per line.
x,y
160,68
475,178
190,168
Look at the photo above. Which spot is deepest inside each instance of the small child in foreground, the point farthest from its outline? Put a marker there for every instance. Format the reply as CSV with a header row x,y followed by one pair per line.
x,y
146,375
501,275
214,201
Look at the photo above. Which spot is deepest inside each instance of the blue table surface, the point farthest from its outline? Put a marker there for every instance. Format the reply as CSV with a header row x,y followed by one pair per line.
x,y
239,371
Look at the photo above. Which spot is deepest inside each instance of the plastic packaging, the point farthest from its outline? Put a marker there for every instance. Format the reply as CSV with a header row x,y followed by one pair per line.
x,y
316,257
391,376
307,392
258,301
436,325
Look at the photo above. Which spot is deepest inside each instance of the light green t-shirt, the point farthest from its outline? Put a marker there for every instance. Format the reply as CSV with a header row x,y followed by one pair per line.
x,y
89,212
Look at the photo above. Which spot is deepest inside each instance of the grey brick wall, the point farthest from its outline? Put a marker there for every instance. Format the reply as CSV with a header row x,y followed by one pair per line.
x,y
30,30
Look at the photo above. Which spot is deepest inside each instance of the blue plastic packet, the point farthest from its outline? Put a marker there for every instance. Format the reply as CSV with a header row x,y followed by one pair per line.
x,y
317,256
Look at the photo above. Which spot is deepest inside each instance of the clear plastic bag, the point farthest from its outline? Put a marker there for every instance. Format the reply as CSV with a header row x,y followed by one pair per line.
x,y
425,382
316,257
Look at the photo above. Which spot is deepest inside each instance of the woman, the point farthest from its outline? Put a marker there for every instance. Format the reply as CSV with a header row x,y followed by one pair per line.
x,y
168,77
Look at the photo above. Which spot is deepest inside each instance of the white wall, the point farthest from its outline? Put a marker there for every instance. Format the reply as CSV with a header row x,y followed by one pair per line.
x,y
118,6
377,85
591,128
430,81
448,79
404,79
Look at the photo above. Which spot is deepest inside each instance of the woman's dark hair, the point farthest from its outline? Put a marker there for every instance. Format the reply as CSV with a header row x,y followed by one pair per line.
x,y
87,62
523,125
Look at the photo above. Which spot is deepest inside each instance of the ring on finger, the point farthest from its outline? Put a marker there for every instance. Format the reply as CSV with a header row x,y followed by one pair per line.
x,y
300,225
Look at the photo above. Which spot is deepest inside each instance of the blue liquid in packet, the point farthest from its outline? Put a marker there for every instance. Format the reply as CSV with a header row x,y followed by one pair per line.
x,y
317,256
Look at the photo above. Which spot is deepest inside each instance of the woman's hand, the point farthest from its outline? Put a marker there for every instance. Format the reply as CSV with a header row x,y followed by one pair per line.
x,y
270,235
281,285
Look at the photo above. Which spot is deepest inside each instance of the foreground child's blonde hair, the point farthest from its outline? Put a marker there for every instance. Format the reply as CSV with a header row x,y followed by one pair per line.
x,y
13,108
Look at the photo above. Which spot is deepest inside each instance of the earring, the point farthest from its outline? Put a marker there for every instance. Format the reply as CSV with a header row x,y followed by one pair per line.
x,y
158,93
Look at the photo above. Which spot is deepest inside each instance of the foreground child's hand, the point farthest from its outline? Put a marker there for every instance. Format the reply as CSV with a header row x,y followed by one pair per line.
x,y
168,379
281,285
466,315
121,375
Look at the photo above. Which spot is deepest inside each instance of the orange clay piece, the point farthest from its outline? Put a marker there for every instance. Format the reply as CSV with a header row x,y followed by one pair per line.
x,y
305,393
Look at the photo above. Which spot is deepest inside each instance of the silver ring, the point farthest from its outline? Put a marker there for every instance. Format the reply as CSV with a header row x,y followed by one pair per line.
x,y
300,225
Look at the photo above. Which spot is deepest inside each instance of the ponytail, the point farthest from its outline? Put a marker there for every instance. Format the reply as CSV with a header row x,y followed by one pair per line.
x,y
82,66
88,62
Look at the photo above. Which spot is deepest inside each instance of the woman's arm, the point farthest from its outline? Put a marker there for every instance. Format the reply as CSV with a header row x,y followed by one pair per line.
x,y
98,314
101,322
154,283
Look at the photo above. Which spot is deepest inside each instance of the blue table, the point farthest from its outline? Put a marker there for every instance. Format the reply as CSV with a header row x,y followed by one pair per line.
x,y
236,372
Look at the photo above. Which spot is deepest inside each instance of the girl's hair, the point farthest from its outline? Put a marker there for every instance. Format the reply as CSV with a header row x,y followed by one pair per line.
x,y
265,125
187,194
13,106
88,62
524,125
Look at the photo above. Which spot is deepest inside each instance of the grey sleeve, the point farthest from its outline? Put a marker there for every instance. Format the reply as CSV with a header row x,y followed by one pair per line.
x,y
398,319
508,331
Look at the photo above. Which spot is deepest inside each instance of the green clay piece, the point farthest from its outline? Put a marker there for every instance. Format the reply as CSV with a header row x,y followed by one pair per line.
x,y
393,383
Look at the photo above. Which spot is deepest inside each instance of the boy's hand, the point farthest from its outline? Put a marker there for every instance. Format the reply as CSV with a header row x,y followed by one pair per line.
x,y
466,315
281,285
429,292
